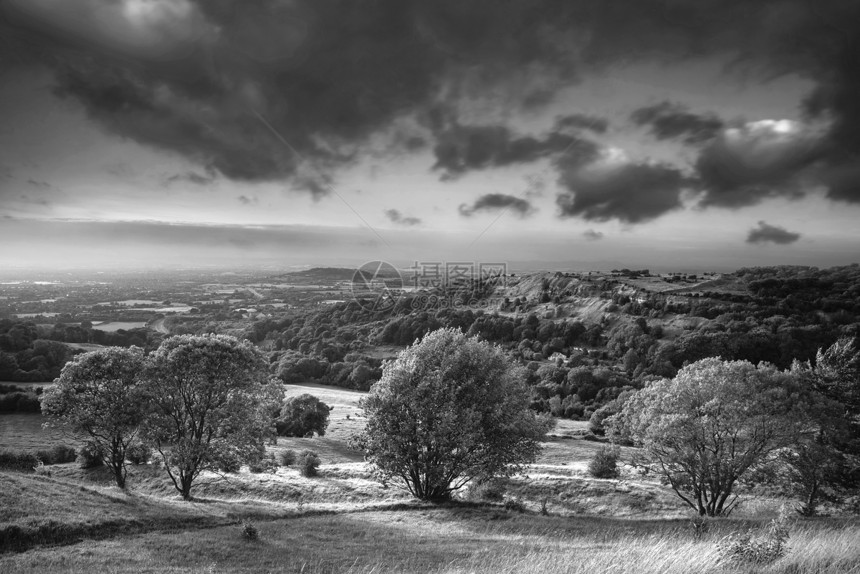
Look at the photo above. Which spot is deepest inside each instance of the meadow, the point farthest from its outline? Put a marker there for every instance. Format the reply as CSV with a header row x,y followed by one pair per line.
x,y
554,518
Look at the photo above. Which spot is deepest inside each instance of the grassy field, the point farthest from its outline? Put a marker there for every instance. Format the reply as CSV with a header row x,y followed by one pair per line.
x,y
23,431
346,521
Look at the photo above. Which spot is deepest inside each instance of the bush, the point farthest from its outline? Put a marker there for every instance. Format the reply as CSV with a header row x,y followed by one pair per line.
x,y
514,505
18,461
138,453
250,532
490,491
90,456
302,416
604,464
59,454
265,464
761,548
287,457
309,462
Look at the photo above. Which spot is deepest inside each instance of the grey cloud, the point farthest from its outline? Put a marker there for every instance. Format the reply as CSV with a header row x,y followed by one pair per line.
x,y
629,192
582,121
592,235
671,120
766,233
245,200
396,217
40,184
460,149
498,202
190,177
329,75
748,164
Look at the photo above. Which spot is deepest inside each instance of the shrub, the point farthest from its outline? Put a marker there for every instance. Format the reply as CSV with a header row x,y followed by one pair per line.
x,y
250,532
604,464
309,462
488,490
514,505
229,465
302,416
138,453
18,461
287,457
265,464
90,456
761,548
59,454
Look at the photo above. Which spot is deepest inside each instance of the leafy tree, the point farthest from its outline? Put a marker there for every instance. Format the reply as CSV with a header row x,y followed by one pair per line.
x,y
448,410
100,394
211,405
302,415
710,425
824,462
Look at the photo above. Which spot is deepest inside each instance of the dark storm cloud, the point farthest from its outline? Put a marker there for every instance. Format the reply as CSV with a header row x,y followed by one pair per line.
x,y
766,233
628,192
193,77
460,149
747,164
395,216
498,202
671,120
201,78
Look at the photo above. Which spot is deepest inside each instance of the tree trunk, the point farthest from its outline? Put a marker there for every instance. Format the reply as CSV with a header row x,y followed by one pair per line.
x,y
118,475
185,481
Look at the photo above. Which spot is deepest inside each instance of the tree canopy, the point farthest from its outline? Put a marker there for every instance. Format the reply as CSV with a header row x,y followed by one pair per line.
x,y
302,415
710,425
99,394
448,410
211,405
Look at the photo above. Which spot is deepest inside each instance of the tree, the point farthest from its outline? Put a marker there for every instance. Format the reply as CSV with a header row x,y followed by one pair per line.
x,y
302,416
448,410
100,394
824,462
710,425
211,405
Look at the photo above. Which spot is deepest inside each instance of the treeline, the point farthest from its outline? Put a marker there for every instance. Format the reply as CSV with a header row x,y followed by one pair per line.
x,y
36,353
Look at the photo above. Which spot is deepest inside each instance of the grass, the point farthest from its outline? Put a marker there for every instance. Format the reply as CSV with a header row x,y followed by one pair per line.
x,y
23,431
446,540
346,521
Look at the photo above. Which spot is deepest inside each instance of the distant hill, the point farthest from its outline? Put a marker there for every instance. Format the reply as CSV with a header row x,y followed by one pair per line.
x,y
320,274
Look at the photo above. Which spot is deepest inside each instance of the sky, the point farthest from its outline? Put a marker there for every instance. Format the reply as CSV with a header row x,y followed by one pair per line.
x,y
582,134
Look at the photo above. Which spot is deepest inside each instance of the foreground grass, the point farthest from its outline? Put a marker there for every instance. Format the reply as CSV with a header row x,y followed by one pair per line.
x,y
445,540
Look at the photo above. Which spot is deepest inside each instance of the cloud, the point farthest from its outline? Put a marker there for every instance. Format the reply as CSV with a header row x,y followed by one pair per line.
x,y
766,233
190,177
216,80
40,184
396,217
245,200
460,149
614,187
582,121
498,202
671,120
592,235
757,160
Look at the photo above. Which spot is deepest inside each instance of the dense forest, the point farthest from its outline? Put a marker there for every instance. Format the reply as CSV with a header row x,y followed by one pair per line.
x,y
577,365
